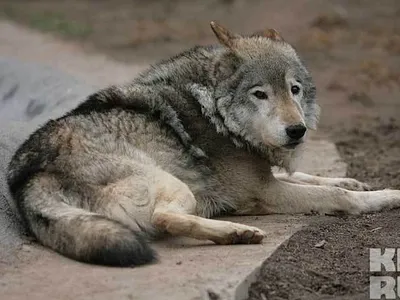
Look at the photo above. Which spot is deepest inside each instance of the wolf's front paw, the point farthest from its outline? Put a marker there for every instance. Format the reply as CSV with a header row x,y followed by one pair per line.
x,y
352,184
241,234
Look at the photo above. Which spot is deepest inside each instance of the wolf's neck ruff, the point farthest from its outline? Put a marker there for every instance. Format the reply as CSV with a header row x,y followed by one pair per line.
x,y
277,157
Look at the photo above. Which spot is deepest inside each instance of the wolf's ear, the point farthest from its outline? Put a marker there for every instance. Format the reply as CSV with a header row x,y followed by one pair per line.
x,y
224,36
269,33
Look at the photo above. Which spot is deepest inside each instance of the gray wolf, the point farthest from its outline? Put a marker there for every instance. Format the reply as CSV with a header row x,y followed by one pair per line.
x,y
191,138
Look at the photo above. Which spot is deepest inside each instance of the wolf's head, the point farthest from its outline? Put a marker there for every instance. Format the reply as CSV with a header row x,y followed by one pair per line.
x,y
263,92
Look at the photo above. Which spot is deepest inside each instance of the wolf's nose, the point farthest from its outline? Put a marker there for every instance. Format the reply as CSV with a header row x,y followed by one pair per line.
x,y
296,131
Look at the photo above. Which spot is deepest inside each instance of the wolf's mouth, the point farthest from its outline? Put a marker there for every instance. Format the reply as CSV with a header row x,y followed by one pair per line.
x,y
292,145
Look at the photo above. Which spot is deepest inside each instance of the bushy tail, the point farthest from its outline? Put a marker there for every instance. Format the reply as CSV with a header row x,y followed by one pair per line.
x,y
77,233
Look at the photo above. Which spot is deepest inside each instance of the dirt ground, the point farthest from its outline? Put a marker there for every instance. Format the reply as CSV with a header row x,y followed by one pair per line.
x,y
339,270
352,48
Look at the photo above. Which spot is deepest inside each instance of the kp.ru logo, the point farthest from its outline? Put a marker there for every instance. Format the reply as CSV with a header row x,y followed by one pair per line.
x,y
388,285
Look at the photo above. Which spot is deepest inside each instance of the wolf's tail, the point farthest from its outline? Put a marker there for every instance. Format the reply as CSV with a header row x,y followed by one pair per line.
x,y
77,233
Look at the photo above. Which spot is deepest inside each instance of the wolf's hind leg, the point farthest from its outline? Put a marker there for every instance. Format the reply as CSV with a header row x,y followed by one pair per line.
x,y
303,178
53,217
146,197
174,212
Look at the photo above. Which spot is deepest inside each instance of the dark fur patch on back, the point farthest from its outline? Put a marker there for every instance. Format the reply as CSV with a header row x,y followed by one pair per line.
x,y
114,98
94,103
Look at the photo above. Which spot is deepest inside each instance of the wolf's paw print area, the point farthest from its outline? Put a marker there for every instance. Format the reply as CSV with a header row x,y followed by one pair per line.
x,y
34,108
241,234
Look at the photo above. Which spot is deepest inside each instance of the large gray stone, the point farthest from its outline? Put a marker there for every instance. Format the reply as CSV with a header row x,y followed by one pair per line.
x,y
30,94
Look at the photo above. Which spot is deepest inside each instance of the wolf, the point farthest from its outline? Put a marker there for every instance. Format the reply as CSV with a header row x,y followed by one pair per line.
x,y
191,138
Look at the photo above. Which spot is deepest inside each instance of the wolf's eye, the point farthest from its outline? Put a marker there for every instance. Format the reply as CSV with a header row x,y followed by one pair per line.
x,y
260,95
295,90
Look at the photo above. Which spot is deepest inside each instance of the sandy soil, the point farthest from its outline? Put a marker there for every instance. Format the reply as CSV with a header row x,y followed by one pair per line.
x,y
353,50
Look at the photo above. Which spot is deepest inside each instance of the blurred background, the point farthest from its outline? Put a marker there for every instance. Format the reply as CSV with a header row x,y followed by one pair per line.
x,y
352,47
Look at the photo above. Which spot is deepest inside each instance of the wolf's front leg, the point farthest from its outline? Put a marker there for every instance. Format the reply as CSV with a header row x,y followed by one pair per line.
x,y
284,197
303,178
